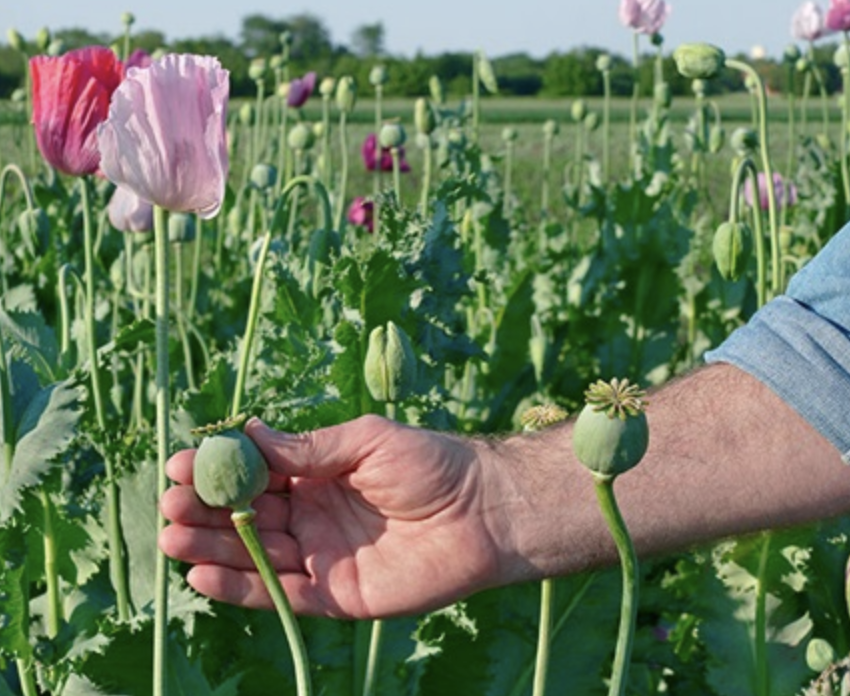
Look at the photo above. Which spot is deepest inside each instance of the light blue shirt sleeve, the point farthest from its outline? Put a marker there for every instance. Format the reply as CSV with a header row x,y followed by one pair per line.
x,y
798,344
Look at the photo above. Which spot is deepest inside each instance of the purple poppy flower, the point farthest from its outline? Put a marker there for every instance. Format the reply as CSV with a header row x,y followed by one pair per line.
x,y
139,58
644,16
300,90
369,151
165,137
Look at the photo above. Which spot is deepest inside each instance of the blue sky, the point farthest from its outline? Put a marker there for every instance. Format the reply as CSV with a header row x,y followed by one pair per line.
x,y
535,27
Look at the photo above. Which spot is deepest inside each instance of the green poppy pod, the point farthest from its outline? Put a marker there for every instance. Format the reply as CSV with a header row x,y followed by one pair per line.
x,y
300,137
229,471
392,135
263,176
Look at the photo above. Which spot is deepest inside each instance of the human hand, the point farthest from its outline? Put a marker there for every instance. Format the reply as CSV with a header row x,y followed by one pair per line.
x,y
368,518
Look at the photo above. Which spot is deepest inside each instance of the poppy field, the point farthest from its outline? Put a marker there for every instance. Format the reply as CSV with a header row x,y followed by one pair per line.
x,y
173,262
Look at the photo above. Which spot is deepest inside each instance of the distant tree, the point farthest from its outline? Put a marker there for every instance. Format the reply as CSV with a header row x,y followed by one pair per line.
x,y
311,39
261,35
77,38
148,40
367,41
518,74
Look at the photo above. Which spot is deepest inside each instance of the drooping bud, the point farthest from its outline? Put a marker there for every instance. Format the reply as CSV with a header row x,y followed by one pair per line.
x,y
611,434
716,139
744,140
486,73
699,60
424,117
392,135
390,366
35,225
346,94
732,246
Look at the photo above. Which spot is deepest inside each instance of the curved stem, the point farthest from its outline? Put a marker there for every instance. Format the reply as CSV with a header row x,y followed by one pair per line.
x,y
243,520
343,177
762,670
746,166
163,405
6,423
629,604
606,125
766,165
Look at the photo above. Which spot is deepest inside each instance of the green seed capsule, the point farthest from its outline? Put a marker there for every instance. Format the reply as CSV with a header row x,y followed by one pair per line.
x,y
699,60
230,471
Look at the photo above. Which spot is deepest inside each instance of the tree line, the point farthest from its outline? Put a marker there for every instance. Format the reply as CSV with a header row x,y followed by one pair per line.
x,y
306,41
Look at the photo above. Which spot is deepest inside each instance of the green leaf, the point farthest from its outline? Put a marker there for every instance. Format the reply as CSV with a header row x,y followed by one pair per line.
x,y
30,332
14,610
47,427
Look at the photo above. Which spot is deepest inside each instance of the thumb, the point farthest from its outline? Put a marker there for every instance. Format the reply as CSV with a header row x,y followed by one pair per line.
x,y
323,453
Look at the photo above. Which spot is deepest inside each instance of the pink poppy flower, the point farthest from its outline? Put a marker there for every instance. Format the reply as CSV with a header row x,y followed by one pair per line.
x,y
644,16
807,24
70,97
300,90
838,15
784,192
369,151
129,213
165,137
139,58
361,212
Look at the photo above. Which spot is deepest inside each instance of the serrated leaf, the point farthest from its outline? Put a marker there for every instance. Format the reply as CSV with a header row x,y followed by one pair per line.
x,y
47,427
30,332
14,611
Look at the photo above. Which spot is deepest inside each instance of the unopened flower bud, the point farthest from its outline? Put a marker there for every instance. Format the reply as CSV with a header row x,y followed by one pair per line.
x,y
423,116
390,366
35,224
791,54
509,134
802,65
437,90
300,137
550,128
662,94
716,139
819,655
392,135
42,39
16,41
257,69
744,140
699,60
603,62
486,73
56,48
378,75
263,176
578,110
246,114
591,121
285,39
346,94
181,228
327,87
698,87
732,247
840,58
610,435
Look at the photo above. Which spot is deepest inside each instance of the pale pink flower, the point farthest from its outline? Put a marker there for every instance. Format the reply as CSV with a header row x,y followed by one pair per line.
x,y
165,137
361,212
129,213
644,16
807,24
784,192
838,15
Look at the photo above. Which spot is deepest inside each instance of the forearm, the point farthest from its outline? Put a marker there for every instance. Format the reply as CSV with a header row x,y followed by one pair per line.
x,y
726,457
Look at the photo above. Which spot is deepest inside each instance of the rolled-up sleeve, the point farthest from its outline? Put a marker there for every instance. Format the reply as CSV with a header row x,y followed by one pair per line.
x,y
798,344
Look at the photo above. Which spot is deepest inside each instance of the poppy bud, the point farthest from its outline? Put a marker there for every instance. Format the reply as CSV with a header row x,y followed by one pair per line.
x,y
346,94
603,62
300,137
327,87
699,60
16,41
578,110
486,74
550,128
263,176
378,75
181,228
732,247
392,135
437,90
423,116
390,366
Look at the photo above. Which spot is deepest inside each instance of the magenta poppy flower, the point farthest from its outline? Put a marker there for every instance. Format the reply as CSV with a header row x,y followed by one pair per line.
x,y
300,90
369,151
644,16
70,99
165,137
139,58
784,192
838,15
807,24
129,213
361,212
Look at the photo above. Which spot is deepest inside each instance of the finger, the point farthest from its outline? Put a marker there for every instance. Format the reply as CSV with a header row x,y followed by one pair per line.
x,y
203,545
324,453
182,505
180,465
247,589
